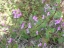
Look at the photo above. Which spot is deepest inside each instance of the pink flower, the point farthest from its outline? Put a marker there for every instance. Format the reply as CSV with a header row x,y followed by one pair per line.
x,y
29,25
35,18
17,13
3,24
48,13
58,28
36,32
45,44
58,21
22,25
46,7
10,40
40,44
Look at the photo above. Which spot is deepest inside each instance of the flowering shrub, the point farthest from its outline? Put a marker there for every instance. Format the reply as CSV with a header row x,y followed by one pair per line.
x,y
31,19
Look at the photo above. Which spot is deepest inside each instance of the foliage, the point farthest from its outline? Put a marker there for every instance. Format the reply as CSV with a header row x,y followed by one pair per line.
x,y
21,19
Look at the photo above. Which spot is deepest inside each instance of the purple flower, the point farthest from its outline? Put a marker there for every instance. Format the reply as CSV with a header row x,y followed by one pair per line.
x,y
35,18
10,40
29,25
58,21
22,25
27,30
46,7
45,44
36,32
48,13
58,28
43,17
17,13
40,44
3,24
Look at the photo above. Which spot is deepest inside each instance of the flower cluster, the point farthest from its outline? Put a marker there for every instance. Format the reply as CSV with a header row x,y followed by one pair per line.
x,y
32,21
43,46
16,13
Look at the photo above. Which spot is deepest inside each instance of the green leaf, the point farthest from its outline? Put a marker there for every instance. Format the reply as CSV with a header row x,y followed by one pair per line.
x,y
58,1
44,24
61,39
15,46
24,35
47,35
37,37
58,14
3,43
52,12
19,20
13,34
48,31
